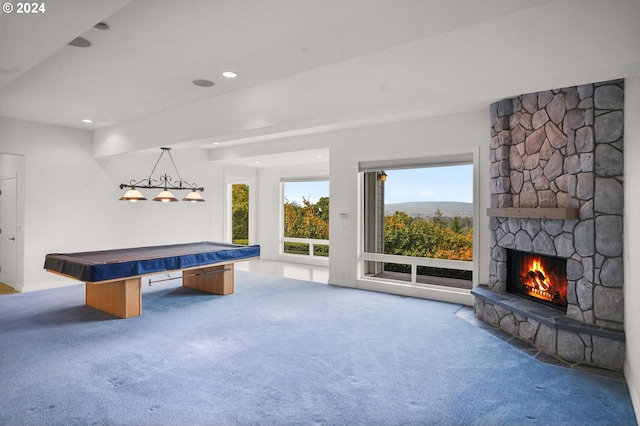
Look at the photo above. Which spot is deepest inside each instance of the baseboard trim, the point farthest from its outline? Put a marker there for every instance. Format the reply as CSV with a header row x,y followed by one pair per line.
x,y
633,390
47,286
349,284
442,294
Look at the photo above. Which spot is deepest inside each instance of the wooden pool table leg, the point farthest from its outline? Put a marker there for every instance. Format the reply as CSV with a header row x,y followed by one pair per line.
x,y
213,279
120,298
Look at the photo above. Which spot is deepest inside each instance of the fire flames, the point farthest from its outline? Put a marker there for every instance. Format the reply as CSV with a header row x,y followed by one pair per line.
x,y
537,283
537,276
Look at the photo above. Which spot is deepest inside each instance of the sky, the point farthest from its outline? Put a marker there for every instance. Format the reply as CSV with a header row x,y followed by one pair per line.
x,y
450,183
312,191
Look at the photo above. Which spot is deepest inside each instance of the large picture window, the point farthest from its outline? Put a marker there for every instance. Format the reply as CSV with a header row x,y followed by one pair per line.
x,y
418,222
306,218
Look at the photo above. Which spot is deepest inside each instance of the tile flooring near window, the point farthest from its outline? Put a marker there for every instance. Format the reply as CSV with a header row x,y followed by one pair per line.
x,y
296,271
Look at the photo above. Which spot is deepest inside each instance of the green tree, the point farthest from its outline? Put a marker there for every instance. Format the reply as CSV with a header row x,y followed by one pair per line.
x,y
437,218
240,213
321,209
455,224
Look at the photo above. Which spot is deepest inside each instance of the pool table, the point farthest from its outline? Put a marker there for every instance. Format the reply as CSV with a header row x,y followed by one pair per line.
x,y
113,277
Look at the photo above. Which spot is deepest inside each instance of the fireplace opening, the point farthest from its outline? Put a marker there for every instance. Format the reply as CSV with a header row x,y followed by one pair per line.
x,y
538,277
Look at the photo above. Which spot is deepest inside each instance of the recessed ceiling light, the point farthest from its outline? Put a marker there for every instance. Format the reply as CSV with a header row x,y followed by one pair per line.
x,y
229,74
203,83
86,120
101,26
80,42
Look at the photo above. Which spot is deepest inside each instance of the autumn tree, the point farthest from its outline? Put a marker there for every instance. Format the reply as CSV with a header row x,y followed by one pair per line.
x,y
307,220
427,237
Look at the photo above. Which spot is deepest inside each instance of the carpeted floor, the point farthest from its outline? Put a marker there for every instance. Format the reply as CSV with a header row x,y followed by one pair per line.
x,y
279,352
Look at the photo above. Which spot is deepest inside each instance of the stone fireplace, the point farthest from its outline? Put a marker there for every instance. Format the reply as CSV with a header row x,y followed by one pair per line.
x,y
557,191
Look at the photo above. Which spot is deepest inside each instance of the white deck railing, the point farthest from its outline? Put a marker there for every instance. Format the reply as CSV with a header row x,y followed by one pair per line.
x,y
309,241
462,265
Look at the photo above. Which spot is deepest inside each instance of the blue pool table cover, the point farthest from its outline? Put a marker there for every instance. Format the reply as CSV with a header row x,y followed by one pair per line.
x,y
104,265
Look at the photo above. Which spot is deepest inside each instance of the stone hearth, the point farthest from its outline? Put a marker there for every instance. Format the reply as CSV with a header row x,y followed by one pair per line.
x,y
561,149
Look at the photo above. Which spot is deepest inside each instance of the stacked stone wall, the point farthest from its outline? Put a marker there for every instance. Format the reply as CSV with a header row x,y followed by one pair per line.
x,y
564,148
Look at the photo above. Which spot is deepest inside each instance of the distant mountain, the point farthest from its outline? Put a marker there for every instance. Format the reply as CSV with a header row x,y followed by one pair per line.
x,y
428,208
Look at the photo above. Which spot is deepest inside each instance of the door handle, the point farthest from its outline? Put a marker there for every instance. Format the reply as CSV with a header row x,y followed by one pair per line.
x,y
12,238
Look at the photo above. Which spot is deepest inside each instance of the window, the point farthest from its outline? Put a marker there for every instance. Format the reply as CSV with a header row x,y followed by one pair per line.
x,y
418,222
240,213
239,209
306,218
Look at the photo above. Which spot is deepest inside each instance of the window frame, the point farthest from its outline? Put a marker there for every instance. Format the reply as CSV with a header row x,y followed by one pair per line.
x,y
444,158
300,258
229,181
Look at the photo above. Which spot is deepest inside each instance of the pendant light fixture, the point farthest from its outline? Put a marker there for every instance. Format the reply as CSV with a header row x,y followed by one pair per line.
x,y
165,196
165,182
133,195
194,197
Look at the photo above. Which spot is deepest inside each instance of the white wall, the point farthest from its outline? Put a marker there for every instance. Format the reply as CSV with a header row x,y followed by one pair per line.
x,y
71,200
468,132
632,237
420,138
57,174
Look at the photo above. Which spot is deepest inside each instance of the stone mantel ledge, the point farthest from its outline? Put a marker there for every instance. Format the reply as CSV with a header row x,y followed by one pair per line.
x,y
535,212
544,314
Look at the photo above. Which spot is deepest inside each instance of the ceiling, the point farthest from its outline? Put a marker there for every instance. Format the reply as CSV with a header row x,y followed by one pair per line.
x,y
154,49
144,64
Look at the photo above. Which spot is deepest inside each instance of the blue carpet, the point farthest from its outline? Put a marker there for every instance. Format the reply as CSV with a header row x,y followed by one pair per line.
x,y
279,352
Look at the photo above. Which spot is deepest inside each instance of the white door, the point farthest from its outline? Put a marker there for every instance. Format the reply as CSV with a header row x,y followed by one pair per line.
x,y
8,232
